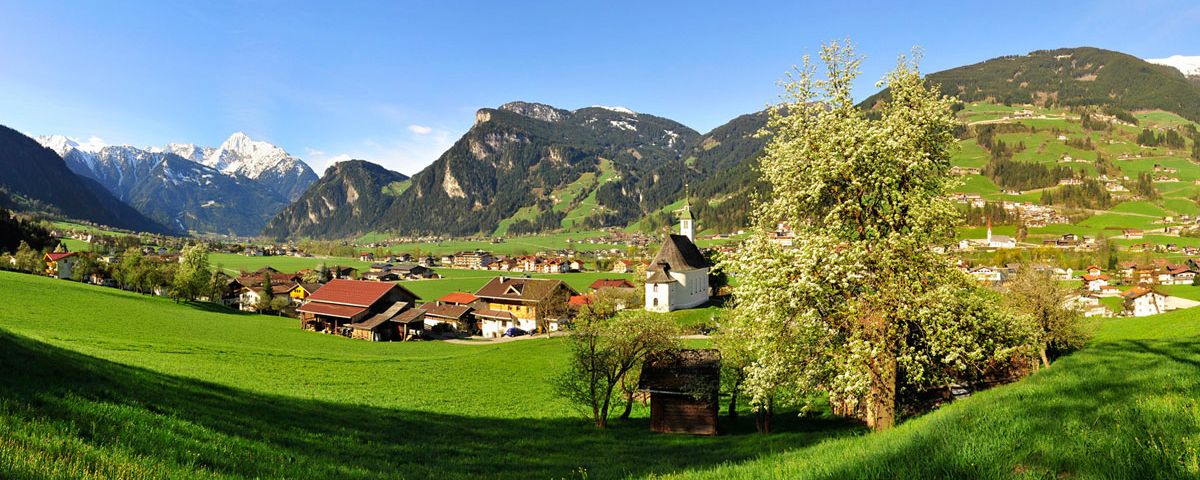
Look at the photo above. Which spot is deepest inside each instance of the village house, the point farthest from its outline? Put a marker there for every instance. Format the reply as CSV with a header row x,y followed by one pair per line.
x,y
250,295
988,274
364,310
683,387
618,284
59,264
623,266
1090,306
1141,301
1132,233
1094,282
678,275
522,303
300,292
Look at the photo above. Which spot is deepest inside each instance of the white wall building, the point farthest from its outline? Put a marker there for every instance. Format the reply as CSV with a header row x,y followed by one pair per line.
x,y
678,275
1141,301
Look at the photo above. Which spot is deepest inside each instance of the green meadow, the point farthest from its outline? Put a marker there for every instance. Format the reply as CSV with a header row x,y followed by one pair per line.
x,y
101,383
141,387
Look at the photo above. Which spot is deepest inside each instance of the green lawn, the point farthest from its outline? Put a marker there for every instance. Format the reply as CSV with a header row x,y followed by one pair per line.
x,y
1124,407
140,387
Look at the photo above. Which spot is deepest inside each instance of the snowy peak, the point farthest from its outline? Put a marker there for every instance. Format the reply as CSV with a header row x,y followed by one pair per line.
x,y
63,144
241,155
1189,65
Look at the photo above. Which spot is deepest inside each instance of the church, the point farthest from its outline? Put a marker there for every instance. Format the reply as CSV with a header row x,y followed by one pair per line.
x,y
678,276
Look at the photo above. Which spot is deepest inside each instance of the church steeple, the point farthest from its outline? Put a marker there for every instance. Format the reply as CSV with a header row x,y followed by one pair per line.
x,y
687,223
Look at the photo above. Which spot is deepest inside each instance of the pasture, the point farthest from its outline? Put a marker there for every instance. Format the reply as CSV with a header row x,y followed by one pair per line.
x,y
101,383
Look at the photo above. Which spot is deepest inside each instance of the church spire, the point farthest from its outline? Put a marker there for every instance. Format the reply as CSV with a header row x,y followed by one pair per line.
x,y
687,223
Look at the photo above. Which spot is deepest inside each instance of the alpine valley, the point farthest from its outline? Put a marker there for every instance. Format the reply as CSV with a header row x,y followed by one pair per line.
x,y
529,167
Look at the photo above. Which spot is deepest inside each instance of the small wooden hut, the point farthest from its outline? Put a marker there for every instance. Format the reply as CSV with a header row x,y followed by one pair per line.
x,y
683,386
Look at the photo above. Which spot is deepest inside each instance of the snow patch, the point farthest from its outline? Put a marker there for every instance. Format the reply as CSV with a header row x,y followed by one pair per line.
x,y
617,109
1189,65
623,125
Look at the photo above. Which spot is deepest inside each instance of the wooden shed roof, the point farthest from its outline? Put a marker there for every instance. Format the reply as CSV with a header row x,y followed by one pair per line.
x,y
683,371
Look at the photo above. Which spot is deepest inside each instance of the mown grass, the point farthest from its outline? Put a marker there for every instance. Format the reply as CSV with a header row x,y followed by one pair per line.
x,y
100,383
1124,407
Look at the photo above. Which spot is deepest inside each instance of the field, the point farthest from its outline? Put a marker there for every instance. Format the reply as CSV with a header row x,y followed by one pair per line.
x,y
140,387
135,387
1124,407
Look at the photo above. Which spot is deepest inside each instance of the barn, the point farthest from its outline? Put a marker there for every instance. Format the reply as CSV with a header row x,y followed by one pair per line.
x,y
683,386
366,310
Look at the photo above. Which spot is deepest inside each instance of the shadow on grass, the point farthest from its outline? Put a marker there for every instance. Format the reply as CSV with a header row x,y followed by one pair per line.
x,y
1118,409
112,416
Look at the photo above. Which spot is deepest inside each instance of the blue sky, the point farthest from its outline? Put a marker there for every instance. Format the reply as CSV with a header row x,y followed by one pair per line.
x,y
397,82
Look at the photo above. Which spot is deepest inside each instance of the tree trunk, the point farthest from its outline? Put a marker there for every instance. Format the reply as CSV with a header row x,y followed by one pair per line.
x,y
733,394
628,405
881,399
762,418
1045,359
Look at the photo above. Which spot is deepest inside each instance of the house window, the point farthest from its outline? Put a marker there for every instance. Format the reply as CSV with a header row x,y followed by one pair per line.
x,y
656,301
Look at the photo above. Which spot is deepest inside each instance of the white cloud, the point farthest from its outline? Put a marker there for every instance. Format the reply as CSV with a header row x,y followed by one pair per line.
x,y
420,129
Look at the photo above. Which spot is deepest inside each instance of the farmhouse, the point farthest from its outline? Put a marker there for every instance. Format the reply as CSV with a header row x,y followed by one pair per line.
x,y
58,264
678,275
369,310
1094,282
250,296
522,303
1141,301
683,387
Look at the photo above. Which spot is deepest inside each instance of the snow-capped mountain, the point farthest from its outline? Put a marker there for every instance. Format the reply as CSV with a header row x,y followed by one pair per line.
x,y
262,161
1189,65
175,184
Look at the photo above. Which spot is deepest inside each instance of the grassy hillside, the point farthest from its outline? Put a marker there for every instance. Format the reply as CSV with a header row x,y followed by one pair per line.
x,y
1124,407
1044,144
100,383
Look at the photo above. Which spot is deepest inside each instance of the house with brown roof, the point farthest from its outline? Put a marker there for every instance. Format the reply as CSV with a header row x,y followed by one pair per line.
x,y
376,311
530,304
678,275
250,295
458,316
1141,301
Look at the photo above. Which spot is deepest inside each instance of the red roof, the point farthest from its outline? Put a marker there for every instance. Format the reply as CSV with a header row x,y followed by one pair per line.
x,y
611,283
352,292
1100,276
332,310
579,300
458,297
54,257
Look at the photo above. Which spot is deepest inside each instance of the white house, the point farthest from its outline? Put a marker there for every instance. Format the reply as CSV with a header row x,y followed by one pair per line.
x,y
1141,301
1095,282
988,274
678,276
